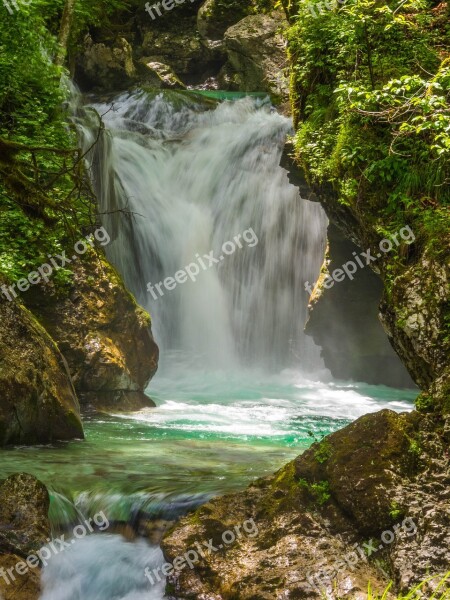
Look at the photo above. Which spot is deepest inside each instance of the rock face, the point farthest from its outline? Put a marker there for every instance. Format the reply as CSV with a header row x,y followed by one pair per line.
x,y
348,312
214,17
108,67
414,304
179,45
24,529
257,56
414,315
365,482
104,335
37,401
236,46
164,75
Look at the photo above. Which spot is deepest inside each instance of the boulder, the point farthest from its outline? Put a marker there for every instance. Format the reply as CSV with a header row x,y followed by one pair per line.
x,y
368,503
38,403
104,335
24,523
162,74
106,67
24,529
257,55
216,16
180,46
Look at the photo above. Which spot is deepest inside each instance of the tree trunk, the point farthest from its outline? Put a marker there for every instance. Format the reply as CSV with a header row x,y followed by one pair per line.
x,y
64,31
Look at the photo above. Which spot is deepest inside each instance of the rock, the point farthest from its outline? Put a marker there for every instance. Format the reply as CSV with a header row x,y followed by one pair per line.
x,y
216,16
167,78
414,317
38,403
348,311
24,524
257,55
24,529
104,335
180,46
379,483
362,464
293,542
414,305
102,67
24,587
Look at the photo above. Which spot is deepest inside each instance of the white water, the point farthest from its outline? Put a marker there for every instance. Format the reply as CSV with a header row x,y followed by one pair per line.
x,y
103,567
195,179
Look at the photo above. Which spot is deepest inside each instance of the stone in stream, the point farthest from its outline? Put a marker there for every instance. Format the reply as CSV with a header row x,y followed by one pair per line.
x,y
104,335
37,401
24,529
379,486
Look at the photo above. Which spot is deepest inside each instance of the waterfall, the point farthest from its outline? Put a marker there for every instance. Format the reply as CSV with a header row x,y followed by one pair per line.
x,y
177,177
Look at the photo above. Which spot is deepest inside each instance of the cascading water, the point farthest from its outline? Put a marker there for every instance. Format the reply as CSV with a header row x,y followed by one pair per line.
x,y
195,177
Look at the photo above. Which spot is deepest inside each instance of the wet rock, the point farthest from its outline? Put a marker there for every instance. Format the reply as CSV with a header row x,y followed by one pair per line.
x,y
24,524
104,335
38,403
368,503
25,587
24,529
163,73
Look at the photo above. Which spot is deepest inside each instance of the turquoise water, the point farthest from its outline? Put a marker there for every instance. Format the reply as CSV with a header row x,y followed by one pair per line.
x,y
210,433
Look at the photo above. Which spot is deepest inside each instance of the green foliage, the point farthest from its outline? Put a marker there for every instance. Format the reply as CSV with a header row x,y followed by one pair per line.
x,y
395,511
422,590
323,452
43,207
371,91
424,403
319,491
415,448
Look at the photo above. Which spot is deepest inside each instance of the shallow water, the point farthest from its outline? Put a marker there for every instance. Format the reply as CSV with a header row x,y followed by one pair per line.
x,y
210,433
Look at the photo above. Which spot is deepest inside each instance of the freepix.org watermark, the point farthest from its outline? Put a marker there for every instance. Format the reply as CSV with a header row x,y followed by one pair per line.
x,y
351,267
167,5
45,271
205,262
54,546
191,557
324,577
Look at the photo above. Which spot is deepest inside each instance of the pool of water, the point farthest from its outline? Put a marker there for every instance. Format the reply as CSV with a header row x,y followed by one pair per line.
x,y
210,433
